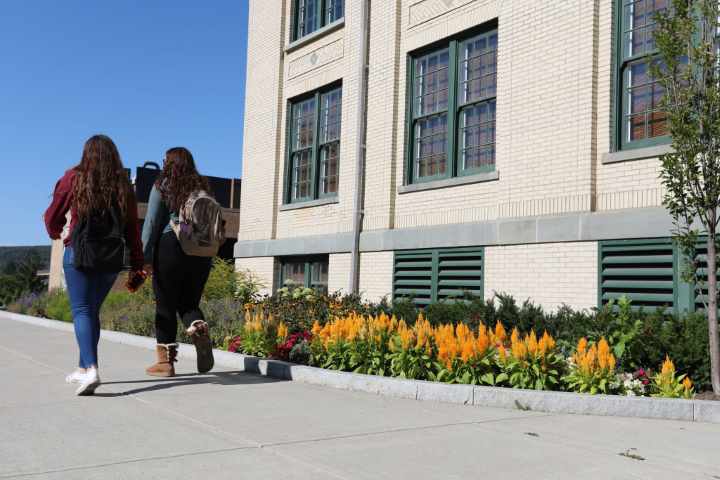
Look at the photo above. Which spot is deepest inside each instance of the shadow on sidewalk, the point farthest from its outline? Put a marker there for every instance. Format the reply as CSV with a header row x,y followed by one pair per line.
x,y
181,380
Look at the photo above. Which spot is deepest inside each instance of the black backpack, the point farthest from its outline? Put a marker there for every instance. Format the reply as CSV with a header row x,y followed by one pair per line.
x,y
98,242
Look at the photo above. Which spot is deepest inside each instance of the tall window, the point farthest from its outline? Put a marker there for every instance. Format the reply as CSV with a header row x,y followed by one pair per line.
x,y
310,15
453,90
640,122
314,146
309,272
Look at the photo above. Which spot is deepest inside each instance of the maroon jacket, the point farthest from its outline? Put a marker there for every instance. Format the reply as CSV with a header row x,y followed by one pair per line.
x,y
62,203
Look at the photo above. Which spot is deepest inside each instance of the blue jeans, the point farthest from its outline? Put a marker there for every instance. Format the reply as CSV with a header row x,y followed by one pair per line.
x,y
87,292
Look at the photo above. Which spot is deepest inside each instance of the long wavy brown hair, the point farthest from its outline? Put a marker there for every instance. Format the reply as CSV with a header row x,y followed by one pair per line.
x,y
101,182
179,178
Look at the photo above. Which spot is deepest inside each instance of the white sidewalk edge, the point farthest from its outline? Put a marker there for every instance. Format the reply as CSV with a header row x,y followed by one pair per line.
x,y
500,397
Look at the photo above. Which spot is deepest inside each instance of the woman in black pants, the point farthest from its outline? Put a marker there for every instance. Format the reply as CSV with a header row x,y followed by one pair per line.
x,y
178,279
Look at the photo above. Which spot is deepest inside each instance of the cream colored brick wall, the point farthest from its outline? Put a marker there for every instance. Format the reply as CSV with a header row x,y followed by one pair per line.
x,y
376,272
547,274
262,104
339,273
262,267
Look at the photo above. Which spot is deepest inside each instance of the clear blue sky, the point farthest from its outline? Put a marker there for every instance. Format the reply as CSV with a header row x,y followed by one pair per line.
x,y
151,74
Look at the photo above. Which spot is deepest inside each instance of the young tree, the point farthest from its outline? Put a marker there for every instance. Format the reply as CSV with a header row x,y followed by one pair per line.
x,y
687,69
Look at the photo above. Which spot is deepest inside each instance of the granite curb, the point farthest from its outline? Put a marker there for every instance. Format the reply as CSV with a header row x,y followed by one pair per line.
x,y
499,397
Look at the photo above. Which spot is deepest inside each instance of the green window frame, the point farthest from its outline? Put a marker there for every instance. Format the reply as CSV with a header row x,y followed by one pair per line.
x,y
432,275
451,106
308,272
638,120
311,15
313,145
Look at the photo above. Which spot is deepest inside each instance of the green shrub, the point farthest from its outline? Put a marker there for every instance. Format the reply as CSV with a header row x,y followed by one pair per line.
x,y
222,281
57,306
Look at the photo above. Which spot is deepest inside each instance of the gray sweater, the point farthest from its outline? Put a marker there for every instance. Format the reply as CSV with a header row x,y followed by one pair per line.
x,y
157,222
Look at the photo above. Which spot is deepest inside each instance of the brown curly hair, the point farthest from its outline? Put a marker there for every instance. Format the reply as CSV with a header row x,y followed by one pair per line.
x,y
101,181
179,178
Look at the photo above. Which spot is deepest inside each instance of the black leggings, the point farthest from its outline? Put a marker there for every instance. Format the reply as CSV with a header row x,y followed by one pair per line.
x,y
178,282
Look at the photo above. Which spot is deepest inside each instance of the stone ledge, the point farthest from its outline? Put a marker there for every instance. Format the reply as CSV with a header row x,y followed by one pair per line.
x,y
498,397
635,154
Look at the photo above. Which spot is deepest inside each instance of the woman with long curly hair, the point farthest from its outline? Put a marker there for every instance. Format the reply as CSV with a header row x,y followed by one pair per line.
x,y
178,279
103,219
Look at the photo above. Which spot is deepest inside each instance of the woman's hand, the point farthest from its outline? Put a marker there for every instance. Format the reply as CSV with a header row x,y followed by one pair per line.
x,y
135,280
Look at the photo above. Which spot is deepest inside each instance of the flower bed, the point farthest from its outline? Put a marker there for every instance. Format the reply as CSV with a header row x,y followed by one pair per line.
x,y
382,345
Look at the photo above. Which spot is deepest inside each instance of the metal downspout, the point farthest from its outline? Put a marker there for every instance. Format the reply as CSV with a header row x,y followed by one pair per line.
x,y
359,203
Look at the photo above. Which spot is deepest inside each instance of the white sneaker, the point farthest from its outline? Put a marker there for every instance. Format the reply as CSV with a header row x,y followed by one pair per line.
x,y
88,382
74,377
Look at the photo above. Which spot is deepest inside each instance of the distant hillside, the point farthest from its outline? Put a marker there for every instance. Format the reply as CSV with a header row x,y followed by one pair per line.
x,y
17,254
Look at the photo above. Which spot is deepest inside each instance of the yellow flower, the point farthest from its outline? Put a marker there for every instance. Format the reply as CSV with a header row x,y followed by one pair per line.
x,y
282,331
514,336
668,368
316,328
405,334
502,354
546,344
687,384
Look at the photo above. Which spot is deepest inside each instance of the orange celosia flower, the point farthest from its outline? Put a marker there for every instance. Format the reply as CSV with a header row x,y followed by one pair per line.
x,y
423,333
483,340
582,346
500,334
531,343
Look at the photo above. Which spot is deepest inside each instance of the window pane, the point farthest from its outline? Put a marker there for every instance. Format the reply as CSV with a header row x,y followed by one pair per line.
x,y
301,175
430,146
478,69
639,25
329,156
319,276
307,17
293,274
304,124
431,83
330,116
334,10
477,138
643,97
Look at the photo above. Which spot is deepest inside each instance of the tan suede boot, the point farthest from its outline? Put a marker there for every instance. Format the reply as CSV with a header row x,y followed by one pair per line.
x,y
166,356
200,335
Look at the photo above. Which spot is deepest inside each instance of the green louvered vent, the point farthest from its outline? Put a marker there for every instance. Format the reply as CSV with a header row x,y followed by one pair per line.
x,y
459,273
642,270
427,276
413,276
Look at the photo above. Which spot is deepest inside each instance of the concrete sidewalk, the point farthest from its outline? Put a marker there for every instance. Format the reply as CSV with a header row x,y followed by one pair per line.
x,y
235,425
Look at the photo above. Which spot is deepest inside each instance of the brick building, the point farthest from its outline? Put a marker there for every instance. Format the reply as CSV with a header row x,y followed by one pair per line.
x,y
510,146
